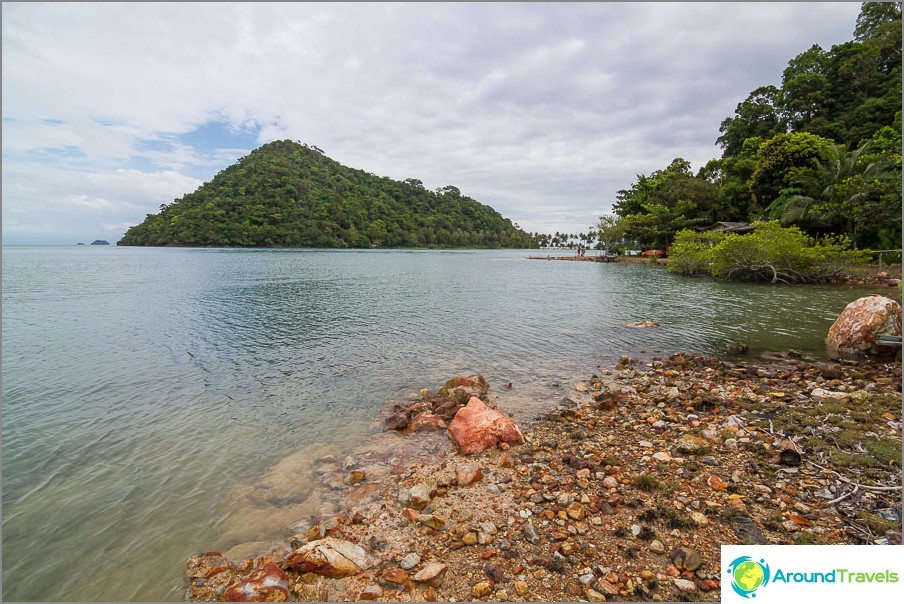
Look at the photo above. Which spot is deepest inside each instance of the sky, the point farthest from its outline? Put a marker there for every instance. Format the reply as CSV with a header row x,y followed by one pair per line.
x,y
541,110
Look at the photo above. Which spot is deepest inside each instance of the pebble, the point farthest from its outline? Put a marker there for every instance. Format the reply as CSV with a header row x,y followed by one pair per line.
x,y
684,584
410,561
656,546
482,589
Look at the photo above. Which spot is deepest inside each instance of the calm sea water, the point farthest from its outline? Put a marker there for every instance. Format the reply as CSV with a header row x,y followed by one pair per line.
x,y
144,388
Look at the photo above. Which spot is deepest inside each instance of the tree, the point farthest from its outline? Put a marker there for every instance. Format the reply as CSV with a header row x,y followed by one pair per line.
x,y
759,115
610,231
784,161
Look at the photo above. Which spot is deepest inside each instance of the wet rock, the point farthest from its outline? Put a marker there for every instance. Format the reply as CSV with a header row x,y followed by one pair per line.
x,y
206,565
266,584
432,574
447,410
330,557
463,388
685,558
396,421
355,477
854,332
427,422
476,427
644,324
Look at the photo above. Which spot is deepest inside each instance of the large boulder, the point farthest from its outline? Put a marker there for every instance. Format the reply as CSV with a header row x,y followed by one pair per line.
x,y
476,427
853,334
330,557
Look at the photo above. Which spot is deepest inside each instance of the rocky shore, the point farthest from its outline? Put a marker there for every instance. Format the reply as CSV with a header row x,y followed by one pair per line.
x,y
625,491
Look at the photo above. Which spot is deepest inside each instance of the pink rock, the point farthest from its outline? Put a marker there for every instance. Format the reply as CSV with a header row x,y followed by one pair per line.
x,y
330,557
267,584
853,334
476,427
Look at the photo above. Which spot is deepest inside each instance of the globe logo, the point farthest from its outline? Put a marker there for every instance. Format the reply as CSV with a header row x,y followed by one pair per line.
x,y
748,575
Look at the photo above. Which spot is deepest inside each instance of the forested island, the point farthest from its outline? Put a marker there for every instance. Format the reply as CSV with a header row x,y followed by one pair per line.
x,y
287,194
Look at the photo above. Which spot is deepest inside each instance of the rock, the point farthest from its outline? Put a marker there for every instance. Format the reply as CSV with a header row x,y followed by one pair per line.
x,y
431,521
610,482
656,546
575,511
432,574
644,324
426,422
482,589
521,588
395,577
699,519
206,565
100,242
789,457
371,592
685,584
267,584
466,474
530,533
685,558
692,445
396,421
463,388
476,427
330,557
853,334
410,561
355,477
748,533
821,395
417,497
447,410
594,596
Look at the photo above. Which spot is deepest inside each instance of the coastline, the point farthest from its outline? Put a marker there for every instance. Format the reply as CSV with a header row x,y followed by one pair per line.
x,y
624,491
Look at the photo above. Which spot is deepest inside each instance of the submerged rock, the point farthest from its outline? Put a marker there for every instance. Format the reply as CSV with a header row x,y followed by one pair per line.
x,y
476,428
267,584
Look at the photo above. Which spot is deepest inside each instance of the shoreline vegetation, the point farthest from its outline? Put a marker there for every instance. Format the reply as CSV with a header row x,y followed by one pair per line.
x,y
624,490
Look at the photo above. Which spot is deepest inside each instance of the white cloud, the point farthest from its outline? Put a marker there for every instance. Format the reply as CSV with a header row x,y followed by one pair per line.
x,y
542,110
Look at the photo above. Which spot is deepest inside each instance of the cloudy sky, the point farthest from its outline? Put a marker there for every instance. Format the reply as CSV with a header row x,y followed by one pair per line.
x,y
541,110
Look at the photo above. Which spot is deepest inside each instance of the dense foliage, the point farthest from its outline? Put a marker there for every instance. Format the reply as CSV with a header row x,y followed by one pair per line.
x,y
770,253
821,152
285,194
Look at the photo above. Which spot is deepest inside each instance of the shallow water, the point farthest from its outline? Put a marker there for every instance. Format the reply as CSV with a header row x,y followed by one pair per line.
x,y
160,402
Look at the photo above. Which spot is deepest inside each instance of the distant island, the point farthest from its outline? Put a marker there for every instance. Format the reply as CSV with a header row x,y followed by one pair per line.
x,y
287,194
100,242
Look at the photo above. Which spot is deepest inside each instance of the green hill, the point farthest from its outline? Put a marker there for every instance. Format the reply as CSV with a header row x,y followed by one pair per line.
x,y
286,194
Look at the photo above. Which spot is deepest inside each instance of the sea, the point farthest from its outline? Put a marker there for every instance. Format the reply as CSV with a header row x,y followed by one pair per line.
x,y
146,391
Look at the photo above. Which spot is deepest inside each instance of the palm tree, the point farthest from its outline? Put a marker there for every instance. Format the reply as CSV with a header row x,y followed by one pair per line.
x,y
837,184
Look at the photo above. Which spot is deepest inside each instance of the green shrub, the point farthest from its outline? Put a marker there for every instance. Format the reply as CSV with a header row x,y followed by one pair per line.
x,y
769,253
